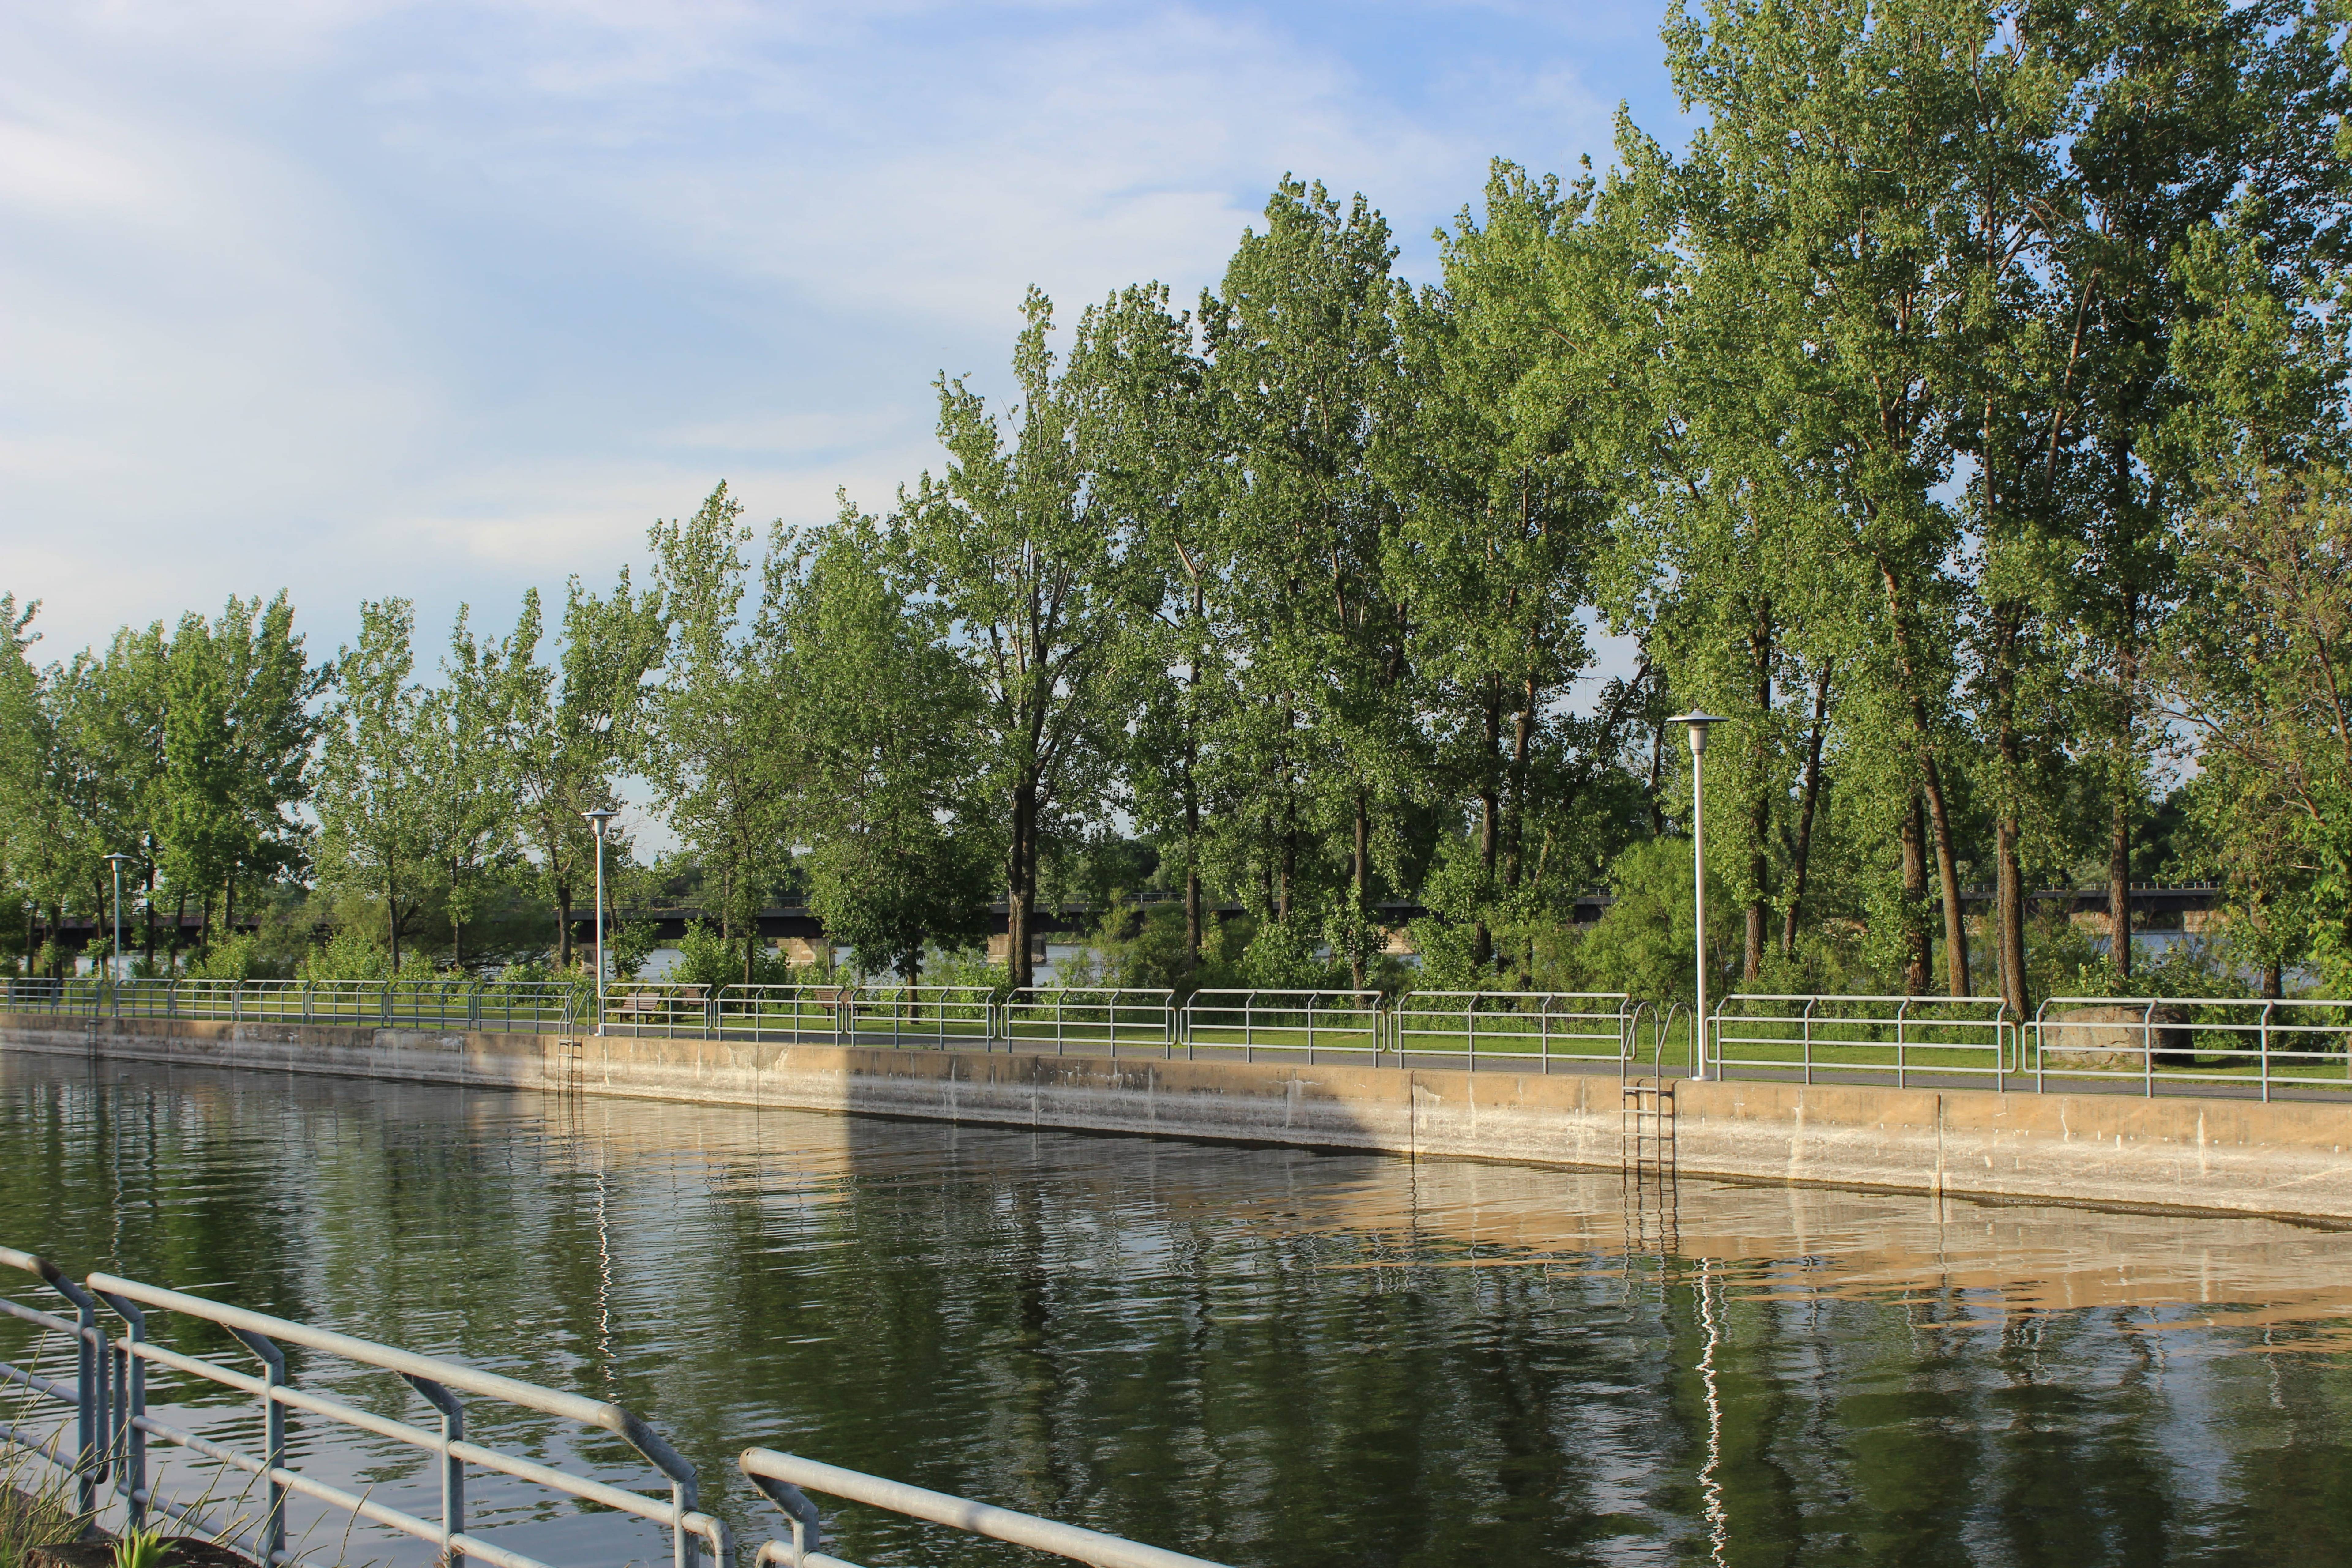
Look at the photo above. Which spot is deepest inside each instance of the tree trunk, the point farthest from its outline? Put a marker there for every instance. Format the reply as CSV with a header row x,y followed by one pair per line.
x,y
1760,799
148,899
1947,879
2119,917
2274,979
1490,826
179,928
1021,887
1803,855
2009,830
1363,877
1915,900
1931,783
562,927
392,924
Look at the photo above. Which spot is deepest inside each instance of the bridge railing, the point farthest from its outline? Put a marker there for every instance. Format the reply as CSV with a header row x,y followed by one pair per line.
x,y
2180,1044
1801,1038
1516,1026
1296,1020
1090,1017
943,1018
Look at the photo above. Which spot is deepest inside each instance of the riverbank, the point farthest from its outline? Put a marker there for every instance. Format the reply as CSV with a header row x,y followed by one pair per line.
x,y
2235,1156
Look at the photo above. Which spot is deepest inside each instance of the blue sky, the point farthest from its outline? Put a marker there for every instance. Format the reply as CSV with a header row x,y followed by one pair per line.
x,y
359,297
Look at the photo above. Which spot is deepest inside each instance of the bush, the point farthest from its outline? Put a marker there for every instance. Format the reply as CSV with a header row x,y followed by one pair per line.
x,y
706,958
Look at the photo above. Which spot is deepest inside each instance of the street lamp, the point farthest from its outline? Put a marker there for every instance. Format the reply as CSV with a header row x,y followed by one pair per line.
x,y
116,860
596,821
1699,724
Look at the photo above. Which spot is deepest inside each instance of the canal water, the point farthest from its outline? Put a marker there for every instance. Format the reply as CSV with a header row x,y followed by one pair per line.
x,y
1271,1358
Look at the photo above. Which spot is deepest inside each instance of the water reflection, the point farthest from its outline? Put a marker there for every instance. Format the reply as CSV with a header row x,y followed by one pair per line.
x,y
1268,1357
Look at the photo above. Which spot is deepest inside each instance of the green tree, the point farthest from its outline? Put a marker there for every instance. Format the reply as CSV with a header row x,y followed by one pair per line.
x,y
715,740
571,729
377,816
883,724
1306,373
1036,582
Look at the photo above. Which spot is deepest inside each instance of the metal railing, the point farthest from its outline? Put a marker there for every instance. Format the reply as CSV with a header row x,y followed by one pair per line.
x,y
1307,1021
1106,1016
659,1007
1859,1038
780,1479
115,1426
940,1017
85,1396
530,1007
1519,1025
107,1412
2183,1042
794,1013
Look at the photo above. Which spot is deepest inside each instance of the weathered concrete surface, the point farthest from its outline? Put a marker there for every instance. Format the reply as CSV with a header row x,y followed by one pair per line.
x,y
2292,1158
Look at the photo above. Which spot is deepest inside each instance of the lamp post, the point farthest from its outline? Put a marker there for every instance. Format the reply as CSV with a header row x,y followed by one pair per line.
x,y
1699,724
597,822
116,860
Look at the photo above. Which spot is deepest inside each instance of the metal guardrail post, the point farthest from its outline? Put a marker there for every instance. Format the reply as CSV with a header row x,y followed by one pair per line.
x,y
129,1408
453,1469
273,1429
90,1430
2147,1048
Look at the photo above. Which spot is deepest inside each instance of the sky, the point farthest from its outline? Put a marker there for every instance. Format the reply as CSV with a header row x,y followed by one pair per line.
x,y
356,297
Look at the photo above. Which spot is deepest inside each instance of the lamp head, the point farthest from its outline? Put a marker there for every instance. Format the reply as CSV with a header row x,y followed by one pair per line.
x,y
118,857
598,818
1698,724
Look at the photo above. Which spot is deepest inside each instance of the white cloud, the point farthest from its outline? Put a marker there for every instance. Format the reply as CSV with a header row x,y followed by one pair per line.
x,y
368,297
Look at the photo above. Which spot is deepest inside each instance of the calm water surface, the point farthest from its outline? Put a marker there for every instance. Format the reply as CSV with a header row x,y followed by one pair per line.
x,y
1270,1358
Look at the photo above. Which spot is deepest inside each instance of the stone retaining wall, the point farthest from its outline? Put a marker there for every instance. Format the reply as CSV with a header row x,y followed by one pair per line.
x,y
2229,1155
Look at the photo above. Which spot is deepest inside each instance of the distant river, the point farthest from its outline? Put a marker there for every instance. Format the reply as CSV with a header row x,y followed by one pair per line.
x,y
1266,1357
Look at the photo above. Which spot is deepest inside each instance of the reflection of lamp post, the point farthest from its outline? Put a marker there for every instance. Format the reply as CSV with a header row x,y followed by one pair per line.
x,y
117,860
597,822
1698,724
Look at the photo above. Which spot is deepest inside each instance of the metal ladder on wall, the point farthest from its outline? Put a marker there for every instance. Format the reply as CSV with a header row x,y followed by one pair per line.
x,y
1646,1165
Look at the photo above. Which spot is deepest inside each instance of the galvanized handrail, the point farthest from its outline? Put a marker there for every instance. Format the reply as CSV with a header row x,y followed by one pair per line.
x,y
436,1380
779,1478
1801,1034
88,1393
2330,1046
917,1013
1089,1015
1511,1018
1345,1013
761,1011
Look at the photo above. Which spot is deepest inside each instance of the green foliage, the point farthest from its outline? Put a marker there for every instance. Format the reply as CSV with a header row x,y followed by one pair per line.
x,y
141,1549
1961,417
709,957
347,954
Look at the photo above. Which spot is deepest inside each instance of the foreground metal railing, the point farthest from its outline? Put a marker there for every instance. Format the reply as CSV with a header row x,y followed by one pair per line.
x,y
1519,1027
115,1426
106,1410
782,1479
1860,1038
2154,1043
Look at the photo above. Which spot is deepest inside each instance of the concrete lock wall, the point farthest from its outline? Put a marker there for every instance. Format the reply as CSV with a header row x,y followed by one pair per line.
x,y
2286,1158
